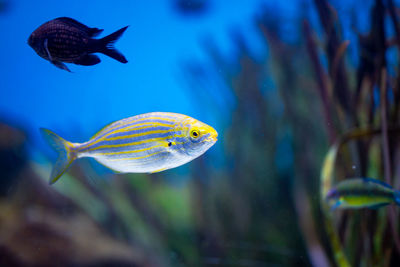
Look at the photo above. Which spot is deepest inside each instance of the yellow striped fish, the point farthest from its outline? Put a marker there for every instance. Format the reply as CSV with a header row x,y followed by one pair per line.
x,y
146,143
362,193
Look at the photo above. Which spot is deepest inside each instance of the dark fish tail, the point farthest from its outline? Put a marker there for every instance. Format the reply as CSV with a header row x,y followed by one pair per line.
x,y
106,45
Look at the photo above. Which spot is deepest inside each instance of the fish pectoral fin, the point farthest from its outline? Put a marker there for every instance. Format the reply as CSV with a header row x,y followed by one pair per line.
x,y
336,205
60,65
56,63
159,170
88,60
45,44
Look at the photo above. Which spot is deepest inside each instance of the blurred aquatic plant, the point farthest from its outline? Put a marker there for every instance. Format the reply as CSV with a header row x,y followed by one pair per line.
x,y
12,157
41,227
368,102
327,179
248,205
344,96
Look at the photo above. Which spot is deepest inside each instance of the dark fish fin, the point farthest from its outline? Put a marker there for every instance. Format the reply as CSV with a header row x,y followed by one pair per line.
x,y
60,65
56,63
376,181
47,49
71,21
106,45
88,60
92,32
74,23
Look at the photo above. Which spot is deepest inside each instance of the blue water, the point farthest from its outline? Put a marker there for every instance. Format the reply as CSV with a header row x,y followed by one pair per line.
x,y
34,93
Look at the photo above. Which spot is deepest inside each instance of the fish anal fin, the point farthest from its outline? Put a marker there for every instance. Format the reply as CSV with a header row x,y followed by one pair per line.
x,y
88,60
159,170
377,206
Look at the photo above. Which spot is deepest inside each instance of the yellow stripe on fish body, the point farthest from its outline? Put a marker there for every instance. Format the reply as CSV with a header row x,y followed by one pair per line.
x,y
130,121
120,128
364,201
149,142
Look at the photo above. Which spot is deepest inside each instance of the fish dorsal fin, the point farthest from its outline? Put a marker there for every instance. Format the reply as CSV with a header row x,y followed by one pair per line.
x,y
100,132
73,22
376,181
92,32
112,125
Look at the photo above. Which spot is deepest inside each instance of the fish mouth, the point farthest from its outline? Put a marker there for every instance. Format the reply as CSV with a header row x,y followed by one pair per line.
x,y
209,133
213,136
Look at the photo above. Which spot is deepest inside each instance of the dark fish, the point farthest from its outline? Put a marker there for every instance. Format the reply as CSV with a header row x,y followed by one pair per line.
x,y
67,40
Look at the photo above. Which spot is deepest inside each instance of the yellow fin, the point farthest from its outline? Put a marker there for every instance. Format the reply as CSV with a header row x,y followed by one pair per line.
x,y
65,155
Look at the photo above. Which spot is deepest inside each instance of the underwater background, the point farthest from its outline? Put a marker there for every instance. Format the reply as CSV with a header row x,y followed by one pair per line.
x,y
303,94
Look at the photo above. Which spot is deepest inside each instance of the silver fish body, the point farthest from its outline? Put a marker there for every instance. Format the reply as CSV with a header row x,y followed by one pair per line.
x,y
144,143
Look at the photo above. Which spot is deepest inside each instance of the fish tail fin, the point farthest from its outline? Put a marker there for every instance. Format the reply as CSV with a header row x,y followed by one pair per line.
x,y
66,155
396,194
107,45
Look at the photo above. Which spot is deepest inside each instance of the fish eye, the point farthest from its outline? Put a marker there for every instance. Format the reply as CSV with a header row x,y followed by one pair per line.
x,y
194,133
